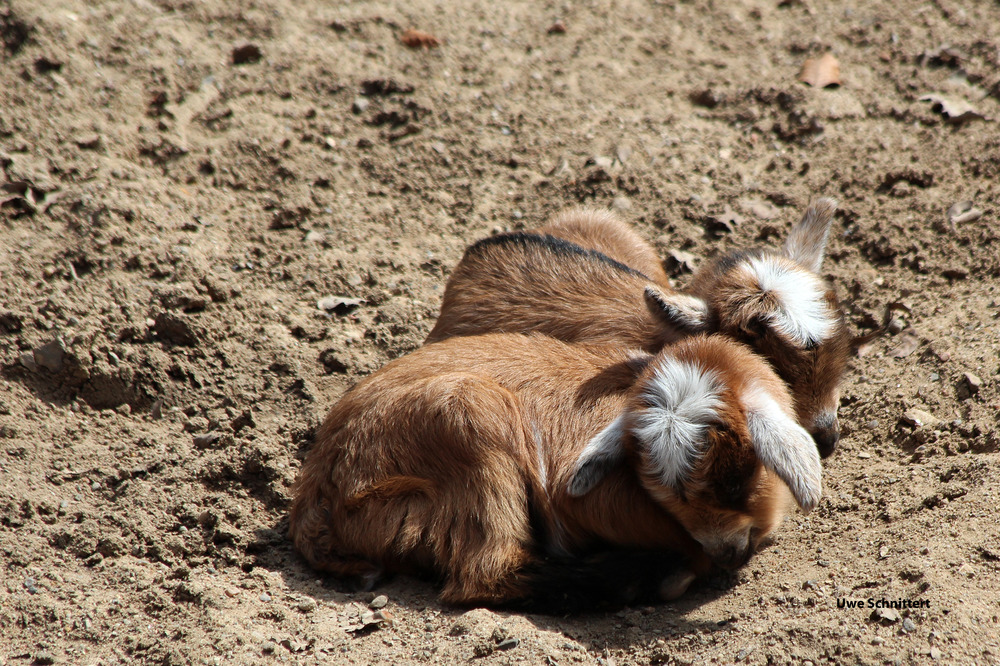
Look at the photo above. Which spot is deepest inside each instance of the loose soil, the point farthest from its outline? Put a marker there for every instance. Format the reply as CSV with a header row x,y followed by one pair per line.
x,y
183,183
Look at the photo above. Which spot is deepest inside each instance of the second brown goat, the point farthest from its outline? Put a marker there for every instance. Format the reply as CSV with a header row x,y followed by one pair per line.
x,y
588,277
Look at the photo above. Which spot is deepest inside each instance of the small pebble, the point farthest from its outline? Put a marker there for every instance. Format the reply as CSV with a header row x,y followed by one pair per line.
x,y
265,597
508,644
206,439
920,418
50,355
232,592
307,605
972,382
379,602
909,625
43,658
886,615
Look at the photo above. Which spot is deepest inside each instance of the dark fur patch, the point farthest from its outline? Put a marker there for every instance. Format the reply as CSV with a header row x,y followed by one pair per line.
x,y
598,581
556,246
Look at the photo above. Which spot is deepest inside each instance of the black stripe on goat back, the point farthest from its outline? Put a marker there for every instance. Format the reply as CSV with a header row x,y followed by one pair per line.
x,y
553,244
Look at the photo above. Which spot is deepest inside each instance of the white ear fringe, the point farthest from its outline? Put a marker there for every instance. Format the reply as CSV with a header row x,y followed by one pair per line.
x,y
785,448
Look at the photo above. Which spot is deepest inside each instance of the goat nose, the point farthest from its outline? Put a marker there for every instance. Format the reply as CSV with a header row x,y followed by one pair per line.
x,y
826,434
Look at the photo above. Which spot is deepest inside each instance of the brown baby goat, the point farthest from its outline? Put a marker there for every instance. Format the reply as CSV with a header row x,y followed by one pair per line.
x,y
588,277
477,458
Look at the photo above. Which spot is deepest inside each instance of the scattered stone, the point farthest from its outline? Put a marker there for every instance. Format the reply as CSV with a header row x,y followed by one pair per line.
x,y
174,328
244,420
764,210
232,592
379,602
27,360
23,197
909,625
196,424
955,112
373,87
886,616
307,605
43,658
968,386
557,28
268,647
962,212
88,141
360,105
717,226
601,162
50,355
934,653
246,54
707,98
483,649
621,203
508,644
679,261
265,597
330,361
917,178
918,418
943,56
207,439
340,305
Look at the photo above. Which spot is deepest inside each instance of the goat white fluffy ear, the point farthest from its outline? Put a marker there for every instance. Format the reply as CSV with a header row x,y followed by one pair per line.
x,y
689,313
786,449
806,243
602,454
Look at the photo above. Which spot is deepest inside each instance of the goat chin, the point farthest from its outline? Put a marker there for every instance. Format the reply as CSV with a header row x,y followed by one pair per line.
x,y
495,463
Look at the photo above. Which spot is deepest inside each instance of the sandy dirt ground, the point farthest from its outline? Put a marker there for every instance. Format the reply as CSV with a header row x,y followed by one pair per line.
x,y
185,180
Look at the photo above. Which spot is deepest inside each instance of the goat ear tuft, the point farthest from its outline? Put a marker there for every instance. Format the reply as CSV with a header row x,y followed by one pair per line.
x,y
603,453
686,312
806,243
786,449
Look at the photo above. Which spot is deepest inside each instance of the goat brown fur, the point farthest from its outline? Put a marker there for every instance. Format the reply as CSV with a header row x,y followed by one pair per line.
x,y
588,277
464,459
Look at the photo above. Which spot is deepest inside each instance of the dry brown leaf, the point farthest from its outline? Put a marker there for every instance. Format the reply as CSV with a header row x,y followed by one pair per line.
x,y
821,72
416,39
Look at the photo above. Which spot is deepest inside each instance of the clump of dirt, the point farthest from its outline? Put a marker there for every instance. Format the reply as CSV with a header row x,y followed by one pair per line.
x,y
184,185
